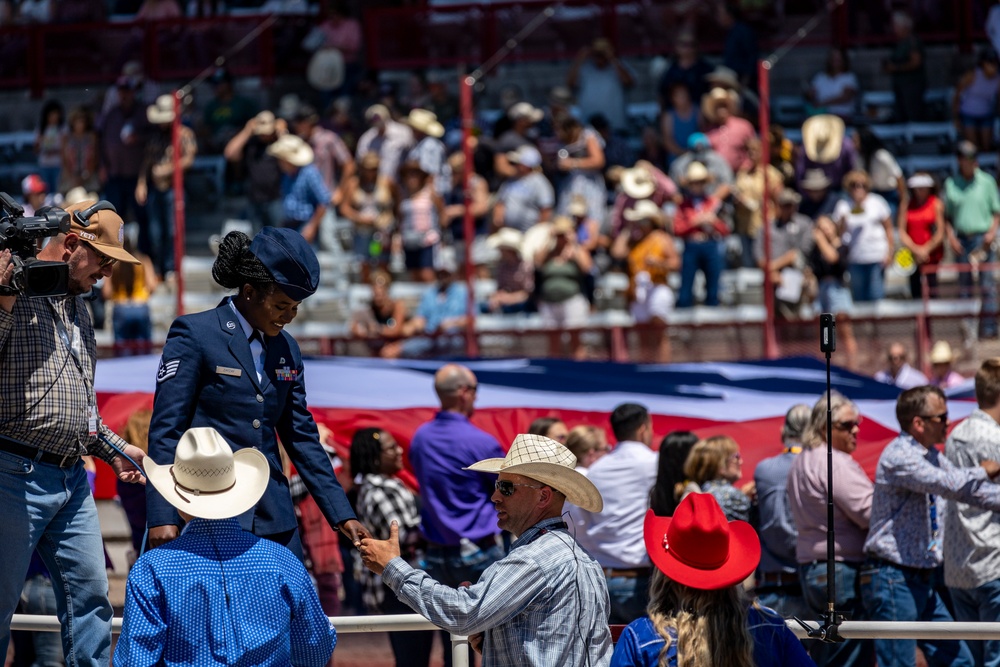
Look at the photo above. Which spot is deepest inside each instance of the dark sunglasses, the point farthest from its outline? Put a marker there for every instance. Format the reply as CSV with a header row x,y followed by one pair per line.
x,y
941,418
847,426
506,487
102,259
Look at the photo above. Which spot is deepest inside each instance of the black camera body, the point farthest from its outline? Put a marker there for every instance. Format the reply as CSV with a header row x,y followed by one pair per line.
x,y
19,234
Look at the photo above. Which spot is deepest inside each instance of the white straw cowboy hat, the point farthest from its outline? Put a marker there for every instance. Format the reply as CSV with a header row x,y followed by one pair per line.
x,y
506,237
326,69
644,209
696,172
425,121
823,137
638,183
162,111
941,353
207,479
716,97
292,149
545,460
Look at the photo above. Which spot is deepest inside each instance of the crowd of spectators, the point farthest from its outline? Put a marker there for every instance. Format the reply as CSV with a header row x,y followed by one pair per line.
x,y
560,195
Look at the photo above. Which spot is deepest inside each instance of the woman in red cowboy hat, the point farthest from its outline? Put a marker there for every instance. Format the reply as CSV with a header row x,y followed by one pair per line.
x,y
699,615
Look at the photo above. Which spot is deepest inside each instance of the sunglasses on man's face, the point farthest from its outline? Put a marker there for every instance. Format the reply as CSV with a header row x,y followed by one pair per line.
x,y
102,259
847,425
506,487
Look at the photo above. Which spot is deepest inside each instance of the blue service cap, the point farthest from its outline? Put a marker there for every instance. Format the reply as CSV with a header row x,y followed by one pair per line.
x,y
290,259
698,140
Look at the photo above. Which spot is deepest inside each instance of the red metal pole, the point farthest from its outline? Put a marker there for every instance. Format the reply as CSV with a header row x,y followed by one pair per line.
x,y
764,90
468,224
178,201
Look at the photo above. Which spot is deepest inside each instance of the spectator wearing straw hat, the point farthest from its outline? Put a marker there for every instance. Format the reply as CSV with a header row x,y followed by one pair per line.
x,y
913,479
429,151
651,257
523,117
818,201
514,274
263,185
642,181
791,241
304,194
827,147
528,198
386,137
700,150
942,374
546,602
219,593
155,186
697,222
727,132
698,611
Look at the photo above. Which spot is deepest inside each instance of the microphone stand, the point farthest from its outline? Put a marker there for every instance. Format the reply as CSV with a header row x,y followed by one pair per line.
x,y
829,626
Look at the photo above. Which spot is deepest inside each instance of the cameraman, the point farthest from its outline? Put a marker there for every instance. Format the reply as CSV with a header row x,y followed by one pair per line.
x,y
48,420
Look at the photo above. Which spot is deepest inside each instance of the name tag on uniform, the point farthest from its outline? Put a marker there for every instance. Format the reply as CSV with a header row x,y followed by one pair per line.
x,y
286,374
222,370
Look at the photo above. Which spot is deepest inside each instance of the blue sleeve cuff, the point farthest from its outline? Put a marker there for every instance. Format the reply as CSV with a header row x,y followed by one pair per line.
x,y
395,573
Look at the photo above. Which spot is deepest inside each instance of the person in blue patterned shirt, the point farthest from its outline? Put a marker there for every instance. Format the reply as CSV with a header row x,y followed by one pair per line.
x,y
218,595
546,603
904,545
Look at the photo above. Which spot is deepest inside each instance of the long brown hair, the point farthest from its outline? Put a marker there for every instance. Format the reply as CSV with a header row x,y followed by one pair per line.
x,y
709,627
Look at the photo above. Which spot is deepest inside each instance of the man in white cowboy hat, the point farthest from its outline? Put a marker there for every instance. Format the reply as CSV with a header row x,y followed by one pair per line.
x,y
942,374
333,160
388,138
305,195
515,276
700,150
219,595
526,199
826,146
155,186
523,116
263,176
698,222
429,150
817,199
642,181
546,602
727,132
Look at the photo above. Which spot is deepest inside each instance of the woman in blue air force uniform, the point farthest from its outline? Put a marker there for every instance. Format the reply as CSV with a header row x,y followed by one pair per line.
x,y
235,369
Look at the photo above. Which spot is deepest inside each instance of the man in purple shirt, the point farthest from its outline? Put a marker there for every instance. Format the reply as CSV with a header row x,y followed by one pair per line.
x,y
457,516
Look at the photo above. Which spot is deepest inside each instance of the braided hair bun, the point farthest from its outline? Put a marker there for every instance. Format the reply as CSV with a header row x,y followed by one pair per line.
x,y
236,265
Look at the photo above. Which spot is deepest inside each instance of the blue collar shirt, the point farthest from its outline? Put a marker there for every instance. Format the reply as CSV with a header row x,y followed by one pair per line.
x,y
545,603
218,595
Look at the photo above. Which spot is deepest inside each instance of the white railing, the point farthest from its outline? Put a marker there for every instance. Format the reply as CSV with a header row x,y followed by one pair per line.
x,y
908,630
344,625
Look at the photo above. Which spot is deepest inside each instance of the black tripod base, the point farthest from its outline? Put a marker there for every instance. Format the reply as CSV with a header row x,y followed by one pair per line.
x,y
828,630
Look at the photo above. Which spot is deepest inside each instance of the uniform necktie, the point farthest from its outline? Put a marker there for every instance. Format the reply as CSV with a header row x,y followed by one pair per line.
x,y
258,349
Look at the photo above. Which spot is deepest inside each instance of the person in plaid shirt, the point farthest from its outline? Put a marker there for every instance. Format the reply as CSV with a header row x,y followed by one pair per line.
x,y
48,420
376,457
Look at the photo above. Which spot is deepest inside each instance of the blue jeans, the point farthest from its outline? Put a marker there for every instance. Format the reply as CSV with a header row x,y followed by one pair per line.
x,y
629,598
160,213
449,567
866,282
52,509
853,652
980,604
133,325
38,597
710,257
988,314
891,593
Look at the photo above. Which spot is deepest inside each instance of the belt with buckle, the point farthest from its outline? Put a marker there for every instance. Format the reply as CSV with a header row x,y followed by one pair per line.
x,y
628,573
35,454
777,579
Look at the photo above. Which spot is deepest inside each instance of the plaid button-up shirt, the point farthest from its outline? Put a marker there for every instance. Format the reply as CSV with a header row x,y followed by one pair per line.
x,y
45,393
546,603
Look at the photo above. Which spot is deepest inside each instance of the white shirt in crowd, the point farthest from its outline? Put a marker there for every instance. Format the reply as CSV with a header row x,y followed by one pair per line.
x,y
826,87
866,239
624,477
907,378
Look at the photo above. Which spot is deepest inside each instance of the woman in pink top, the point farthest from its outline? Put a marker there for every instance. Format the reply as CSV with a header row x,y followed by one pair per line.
x,y
727,132
852,506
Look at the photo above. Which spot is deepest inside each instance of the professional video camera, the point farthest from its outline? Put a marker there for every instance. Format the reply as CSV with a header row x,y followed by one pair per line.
x,y
32,276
